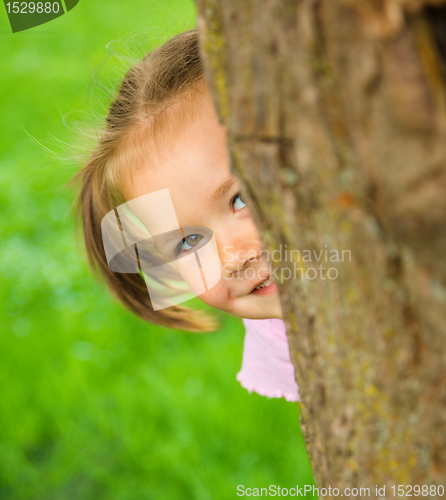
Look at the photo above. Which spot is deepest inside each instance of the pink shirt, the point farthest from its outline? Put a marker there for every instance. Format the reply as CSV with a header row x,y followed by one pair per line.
x,y
266,365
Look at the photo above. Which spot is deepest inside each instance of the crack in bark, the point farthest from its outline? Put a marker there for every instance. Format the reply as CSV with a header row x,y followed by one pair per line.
x,y
436,16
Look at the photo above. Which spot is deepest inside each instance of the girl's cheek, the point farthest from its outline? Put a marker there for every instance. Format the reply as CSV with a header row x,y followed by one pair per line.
x,y
217,296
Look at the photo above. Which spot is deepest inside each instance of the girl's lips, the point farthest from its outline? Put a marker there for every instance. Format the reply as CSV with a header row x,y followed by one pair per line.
x,y
266,290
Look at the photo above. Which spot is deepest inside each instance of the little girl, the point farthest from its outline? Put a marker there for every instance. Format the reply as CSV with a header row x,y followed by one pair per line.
x,y
162,132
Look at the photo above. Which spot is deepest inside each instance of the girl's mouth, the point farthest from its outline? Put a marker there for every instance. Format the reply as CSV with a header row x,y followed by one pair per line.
x,y
268,287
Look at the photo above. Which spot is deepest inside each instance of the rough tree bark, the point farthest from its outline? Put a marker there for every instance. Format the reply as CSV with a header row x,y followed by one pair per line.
x,y
336,113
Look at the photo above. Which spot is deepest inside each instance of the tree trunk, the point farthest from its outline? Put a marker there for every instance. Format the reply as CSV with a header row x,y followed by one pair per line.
x,y
336,113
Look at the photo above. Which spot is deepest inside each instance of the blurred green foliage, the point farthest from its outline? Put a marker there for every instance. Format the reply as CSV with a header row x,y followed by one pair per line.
x,y
96,404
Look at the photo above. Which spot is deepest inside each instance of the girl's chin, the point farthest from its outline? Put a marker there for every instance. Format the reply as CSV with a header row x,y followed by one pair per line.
x,y
265,307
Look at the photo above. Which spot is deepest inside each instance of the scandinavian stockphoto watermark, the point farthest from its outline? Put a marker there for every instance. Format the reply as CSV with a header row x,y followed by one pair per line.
x,y
144,236
177,263
376,491
286,263
274,490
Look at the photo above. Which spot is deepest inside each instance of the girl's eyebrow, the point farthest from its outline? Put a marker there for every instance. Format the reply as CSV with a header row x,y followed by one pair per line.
x,y
223,189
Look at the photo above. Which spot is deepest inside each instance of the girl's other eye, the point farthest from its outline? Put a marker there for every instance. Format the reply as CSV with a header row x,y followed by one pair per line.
x,y
238,203
188,242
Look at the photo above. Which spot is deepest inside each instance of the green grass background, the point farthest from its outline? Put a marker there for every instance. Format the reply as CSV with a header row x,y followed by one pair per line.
x,y
94,403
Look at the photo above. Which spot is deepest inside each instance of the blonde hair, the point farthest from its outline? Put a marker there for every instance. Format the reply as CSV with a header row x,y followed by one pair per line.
x,y
167,75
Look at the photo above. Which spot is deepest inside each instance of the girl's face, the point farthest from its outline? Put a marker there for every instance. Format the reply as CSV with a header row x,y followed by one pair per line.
x,y
194,165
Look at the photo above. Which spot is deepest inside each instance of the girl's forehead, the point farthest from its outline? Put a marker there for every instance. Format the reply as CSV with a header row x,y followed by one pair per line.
x,y
195,191
192,164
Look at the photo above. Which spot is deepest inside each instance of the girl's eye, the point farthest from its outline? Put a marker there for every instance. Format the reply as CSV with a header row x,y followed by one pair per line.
x,y
188,242
238,203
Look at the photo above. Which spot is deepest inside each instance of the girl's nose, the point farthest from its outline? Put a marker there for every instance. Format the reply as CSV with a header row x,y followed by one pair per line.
x,y
240,254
